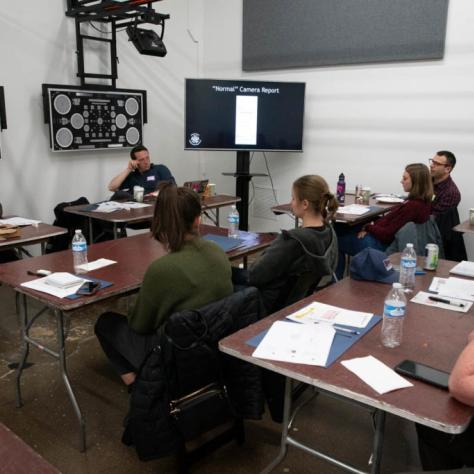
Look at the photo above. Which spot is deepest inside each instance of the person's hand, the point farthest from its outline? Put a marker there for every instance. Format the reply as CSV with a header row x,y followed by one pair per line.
x,y
361,234
132,165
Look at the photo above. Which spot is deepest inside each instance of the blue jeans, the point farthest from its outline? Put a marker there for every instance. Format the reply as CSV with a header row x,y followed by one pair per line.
x,y
350,244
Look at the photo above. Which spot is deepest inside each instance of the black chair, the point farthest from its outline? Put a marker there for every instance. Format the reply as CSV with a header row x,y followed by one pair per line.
x,y
453,242
188,391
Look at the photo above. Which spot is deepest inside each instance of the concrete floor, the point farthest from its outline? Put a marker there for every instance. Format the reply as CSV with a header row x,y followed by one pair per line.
x,y
46,421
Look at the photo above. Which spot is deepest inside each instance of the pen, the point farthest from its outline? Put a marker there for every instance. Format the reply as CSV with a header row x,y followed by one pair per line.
x,y
443,300
349,331
38,272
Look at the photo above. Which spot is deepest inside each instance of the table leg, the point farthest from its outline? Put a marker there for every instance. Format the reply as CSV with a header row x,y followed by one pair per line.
x,y
378,441
91,237
63,372
284,433
43,247
25,349
115,230
217,216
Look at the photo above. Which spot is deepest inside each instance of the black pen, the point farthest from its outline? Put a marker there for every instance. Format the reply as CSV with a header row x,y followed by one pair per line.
x,y
443,300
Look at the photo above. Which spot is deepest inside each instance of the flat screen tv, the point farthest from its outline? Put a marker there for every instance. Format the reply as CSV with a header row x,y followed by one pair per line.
x,y
244,115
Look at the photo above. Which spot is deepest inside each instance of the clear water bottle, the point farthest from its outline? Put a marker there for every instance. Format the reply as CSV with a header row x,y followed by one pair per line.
x,y
394,309
341,189
79,251
408,268
233,220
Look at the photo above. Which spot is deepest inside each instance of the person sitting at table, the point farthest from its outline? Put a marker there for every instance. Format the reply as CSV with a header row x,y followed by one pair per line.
x,y
193,273
439,450
416,181
310,248
140,172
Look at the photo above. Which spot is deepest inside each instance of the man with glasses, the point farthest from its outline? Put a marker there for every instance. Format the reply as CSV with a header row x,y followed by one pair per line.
x,y
446,193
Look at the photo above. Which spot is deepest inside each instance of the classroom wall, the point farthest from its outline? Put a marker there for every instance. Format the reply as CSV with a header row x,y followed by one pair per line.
x,y
367,121
37,45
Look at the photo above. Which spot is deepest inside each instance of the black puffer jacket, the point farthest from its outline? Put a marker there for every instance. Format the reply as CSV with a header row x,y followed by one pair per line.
x,y
169,372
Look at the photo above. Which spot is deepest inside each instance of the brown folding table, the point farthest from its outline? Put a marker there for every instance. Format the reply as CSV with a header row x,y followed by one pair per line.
x,y
431,336
132,255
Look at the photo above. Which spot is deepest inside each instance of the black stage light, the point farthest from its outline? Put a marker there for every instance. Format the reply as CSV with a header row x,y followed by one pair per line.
x,y
146,41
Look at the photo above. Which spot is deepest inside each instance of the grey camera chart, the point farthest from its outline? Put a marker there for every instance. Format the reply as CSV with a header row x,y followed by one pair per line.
x,y
82,119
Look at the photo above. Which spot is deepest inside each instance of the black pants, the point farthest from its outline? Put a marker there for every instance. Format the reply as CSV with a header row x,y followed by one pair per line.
x,y
125,348
440,450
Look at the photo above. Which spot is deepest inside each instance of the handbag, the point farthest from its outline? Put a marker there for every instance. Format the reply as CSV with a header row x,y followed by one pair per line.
x,y
202,410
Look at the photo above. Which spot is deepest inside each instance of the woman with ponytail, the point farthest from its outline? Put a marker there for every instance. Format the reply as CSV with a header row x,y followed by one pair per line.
x,y
192,273
310,248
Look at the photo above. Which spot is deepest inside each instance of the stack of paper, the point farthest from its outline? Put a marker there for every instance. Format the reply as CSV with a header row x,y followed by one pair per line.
x,y
19,221
63,280
355,209
463,268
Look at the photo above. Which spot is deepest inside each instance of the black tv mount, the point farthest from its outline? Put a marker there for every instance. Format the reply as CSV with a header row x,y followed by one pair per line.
x,y
119,14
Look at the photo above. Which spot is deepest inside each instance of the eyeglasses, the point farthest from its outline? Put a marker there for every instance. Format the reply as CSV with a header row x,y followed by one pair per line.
x,y
437,163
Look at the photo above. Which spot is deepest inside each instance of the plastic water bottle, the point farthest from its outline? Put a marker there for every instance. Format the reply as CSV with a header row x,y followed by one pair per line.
x,y
408,268
79,251
394,309
341,189
233,220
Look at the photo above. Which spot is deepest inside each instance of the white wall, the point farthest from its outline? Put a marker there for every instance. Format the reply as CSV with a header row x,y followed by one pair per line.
x,y
368,121
37,45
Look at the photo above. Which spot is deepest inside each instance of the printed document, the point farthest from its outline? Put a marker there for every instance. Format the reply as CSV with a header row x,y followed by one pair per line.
x,y
297,343
453,288
19,221
323,313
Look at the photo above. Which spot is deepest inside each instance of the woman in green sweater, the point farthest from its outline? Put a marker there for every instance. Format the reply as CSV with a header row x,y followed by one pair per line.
x,y
195,272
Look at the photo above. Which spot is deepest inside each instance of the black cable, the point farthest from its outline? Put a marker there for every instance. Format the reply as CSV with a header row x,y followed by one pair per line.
x,y
105,32
271,179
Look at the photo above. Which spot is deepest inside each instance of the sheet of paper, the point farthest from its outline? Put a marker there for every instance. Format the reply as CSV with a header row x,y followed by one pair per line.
x,y
356,209
376,374
99,263
464,268
422,297
297,343
320,312
19,221
108,206
40,285
134,205
453,288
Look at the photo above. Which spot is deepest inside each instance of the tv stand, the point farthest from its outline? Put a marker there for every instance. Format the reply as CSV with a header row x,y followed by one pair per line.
x,y
243,176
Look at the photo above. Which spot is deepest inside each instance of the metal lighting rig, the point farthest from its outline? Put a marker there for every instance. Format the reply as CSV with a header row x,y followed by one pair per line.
x,y
119,14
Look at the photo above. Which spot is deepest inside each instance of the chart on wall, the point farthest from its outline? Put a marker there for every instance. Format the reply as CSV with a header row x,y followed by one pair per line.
x,y
87,119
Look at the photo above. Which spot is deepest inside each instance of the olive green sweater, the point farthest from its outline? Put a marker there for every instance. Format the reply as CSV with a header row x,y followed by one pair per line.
x,y
194,276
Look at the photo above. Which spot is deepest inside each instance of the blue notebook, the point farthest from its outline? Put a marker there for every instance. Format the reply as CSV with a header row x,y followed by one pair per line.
x,y
103,284
340,343
225,243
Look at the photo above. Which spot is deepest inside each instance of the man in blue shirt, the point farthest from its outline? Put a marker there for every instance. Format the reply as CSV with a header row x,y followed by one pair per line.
x,y
140,172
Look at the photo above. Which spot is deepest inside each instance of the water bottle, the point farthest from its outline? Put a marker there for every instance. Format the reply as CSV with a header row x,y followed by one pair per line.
x,y
408,268
394,309
233,220
79,251
341,189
